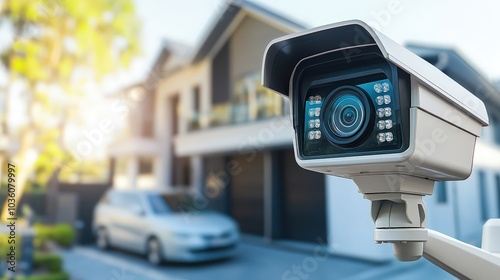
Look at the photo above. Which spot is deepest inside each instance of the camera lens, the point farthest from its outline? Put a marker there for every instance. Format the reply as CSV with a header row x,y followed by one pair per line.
x,y
347,115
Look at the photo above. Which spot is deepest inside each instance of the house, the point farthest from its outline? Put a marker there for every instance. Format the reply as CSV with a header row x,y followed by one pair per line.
x,y
202,122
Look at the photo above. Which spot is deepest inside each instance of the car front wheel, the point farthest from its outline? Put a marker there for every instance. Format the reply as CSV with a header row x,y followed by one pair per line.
x,y
154,252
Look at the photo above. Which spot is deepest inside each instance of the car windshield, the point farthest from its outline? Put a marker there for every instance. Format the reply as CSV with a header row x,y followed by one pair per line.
x,y
163,203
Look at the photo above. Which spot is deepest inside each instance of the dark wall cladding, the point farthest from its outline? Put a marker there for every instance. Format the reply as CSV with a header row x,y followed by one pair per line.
x,y
239,183
88,195
247,194
214,183
303,199
220,74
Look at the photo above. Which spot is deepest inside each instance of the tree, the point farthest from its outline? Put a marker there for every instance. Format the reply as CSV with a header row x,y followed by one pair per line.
x,y
58,46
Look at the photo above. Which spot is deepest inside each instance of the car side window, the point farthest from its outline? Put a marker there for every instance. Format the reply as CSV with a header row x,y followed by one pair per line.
x,y
126,201
158,204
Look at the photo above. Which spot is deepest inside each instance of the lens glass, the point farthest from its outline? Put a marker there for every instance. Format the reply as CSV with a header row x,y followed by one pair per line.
x,y
347,115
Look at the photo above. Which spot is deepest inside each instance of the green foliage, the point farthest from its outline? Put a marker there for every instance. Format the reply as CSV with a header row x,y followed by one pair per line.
x,y
61,234
52,37
52,276
51,155
47,261
58,48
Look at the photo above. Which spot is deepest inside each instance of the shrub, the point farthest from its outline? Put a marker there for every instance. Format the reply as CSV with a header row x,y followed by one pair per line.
x,y
64,235
51,276
47,261
61,234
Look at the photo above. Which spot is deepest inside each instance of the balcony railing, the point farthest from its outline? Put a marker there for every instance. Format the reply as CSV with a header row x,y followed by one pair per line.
x,y
234,113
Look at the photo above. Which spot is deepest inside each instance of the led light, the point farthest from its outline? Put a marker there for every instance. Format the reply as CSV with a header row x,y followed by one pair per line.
x,y
381,137
311,123
387,99
317,98
311,99
388,124
389,137
380,112
380,100
378,88
317,135
317,112
387,112
385,86
317,123
311,112
311,135
381,125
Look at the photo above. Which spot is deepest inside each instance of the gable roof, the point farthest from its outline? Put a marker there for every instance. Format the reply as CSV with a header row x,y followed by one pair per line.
x,y
456,67
223,21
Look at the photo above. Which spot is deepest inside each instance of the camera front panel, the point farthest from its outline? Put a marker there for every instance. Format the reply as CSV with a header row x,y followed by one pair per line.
x,y
350,107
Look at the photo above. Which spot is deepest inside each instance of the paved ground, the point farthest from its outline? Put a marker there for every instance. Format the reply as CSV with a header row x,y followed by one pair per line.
x,y
252,262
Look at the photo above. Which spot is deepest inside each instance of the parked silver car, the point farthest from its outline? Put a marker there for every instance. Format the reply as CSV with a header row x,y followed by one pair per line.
x,y
163,227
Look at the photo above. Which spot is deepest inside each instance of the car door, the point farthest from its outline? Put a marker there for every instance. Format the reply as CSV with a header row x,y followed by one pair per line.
x,y
119,226
130,222
112,213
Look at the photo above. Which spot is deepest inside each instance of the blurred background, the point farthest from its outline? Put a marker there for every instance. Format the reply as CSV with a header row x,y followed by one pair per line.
x,y
109,108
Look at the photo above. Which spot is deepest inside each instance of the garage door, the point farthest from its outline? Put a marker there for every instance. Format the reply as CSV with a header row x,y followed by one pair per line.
x,y
303,201
247,194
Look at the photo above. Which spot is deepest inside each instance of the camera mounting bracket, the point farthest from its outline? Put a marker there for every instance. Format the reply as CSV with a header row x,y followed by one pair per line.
x,y
398,211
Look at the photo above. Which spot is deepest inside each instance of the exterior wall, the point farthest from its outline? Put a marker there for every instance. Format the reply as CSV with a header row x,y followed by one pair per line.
x,y
182,83
247,46
350,225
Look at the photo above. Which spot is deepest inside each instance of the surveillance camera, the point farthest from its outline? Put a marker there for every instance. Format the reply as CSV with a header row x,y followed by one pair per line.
x,y
364,107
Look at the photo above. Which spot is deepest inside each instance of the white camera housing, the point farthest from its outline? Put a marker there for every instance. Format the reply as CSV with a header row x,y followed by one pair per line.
x,y
445,118
364,107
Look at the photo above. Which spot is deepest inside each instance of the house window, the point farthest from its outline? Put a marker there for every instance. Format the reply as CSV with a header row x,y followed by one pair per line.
x,y
181,171
145,166
441,192
120,166
174,111
196,100
483,195
195,118
147,115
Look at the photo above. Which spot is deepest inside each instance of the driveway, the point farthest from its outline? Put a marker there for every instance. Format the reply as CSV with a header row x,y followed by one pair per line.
x,y
252,262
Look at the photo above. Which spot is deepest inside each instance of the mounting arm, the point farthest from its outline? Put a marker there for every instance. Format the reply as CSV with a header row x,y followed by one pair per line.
x,y
461,259
398,212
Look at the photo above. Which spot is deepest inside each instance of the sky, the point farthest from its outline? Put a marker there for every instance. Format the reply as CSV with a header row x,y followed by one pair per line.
x,y
470,27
